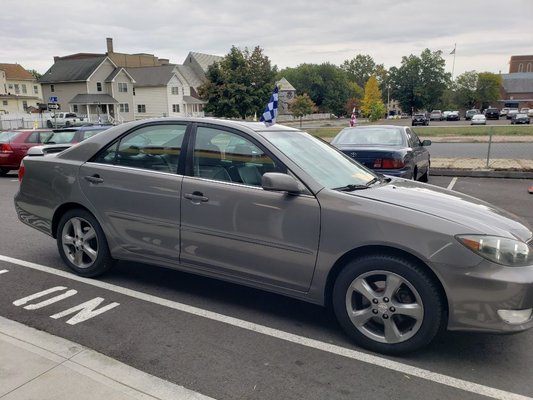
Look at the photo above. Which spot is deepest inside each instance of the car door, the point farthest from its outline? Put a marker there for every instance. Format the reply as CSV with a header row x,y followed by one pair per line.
x,y
134,189
231,227
420,153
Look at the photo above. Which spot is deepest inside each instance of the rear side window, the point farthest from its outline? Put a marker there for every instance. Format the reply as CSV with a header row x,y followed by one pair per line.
x,y
156,148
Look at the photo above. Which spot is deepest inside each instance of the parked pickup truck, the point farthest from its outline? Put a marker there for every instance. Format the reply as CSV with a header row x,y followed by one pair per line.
x,y
62,119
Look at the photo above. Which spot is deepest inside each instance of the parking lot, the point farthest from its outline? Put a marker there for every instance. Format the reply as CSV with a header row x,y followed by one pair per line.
x,y
229,342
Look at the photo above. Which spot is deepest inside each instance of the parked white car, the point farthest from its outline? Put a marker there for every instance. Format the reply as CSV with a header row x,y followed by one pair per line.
x,y
63,119
478,119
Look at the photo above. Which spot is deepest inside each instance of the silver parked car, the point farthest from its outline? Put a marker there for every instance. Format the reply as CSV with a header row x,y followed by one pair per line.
x,y
277,209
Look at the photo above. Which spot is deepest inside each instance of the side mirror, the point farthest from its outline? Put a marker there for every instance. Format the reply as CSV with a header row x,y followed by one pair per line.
x,y
426,142
274,181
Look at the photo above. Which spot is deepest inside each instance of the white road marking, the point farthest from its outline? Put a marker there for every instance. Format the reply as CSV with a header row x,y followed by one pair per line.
x,y
395,366
87,310
3,271
452,183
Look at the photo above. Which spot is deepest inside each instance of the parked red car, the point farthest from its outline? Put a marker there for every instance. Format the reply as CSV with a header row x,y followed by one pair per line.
x,y
15,144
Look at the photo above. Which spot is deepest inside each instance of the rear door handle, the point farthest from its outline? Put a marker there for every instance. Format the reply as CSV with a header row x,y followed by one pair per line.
x,y
196,197
94,179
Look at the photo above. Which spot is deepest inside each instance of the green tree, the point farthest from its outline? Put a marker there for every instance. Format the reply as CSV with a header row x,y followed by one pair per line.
x,y
361,68
326,84
302,105
420,81
372,105
488,88
466,89
239,85
35,74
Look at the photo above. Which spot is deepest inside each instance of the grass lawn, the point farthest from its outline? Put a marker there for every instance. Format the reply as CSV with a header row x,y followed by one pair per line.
x,y
436,131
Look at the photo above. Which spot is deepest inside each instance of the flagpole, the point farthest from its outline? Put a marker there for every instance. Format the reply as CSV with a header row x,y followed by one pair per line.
x,y
453,65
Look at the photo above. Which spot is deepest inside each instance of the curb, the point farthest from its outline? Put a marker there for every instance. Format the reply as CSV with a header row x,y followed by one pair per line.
x,y
484,173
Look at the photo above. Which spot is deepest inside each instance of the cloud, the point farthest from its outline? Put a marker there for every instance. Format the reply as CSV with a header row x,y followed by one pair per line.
x,y
290,32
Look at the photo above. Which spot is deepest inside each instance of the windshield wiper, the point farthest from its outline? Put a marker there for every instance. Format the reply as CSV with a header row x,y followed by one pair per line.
x,y
351,188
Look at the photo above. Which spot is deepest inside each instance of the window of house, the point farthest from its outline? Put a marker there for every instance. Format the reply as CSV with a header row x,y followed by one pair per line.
x,y
528,69
35,89
17,88
124,107
176,108
141,108
175,90
75,108
10,86
24,90
52,88
520,67
24,105
122,87
133,90
4,102
98,86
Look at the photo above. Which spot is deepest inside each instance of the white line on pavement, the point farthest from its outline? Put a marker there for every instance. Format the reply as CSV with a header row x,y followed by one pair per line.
x,y
452,183
289,337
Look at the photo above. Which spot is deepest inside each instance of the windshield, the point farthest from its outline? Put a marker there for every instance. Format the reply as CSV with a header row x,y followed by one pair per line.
x,y
61,137
325,164
6,137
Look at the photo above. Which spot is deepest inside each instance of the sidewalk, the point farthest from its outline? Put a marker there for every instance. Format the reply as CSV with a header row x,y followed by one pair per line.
x,y
37,365
476,167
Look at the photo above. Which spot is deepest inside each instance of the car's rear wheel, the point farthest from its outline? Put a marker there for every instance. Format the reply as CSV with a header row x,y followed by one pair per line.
x,y
4,171
49,124
82,244
388,304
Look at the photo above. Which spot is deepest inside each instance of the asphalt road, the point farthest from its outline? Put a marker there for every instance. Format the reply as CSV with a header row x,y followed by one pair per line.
x,y
232,342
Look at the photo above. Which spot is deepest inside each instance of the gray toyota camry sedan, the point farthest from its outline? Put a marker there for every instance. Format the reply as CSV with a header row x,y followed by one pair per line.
x,y
277,209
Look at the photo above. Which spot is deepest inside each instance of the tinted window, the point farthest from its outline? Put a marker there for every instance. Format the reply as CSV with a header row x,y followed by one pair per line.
x,y
155,148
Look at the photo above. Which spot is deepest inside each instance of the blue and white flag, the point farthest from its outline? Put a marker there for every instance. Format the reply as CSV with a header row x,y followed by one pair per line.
x,y
271,111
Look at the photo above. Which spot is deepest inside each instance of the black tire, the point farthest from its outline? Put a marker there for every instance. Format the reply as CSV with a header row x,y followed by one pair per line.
x,y
82,244
49,124
425,176
4,171
398,304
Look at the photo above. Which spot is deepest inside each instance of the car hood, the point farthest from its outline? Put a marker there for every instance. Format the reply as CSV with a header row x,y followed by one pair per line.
x,y
475,215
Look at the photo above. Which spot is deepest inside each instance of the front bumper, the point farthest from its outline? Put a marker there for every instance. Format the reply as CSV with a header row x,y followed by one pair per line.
x,y
481,298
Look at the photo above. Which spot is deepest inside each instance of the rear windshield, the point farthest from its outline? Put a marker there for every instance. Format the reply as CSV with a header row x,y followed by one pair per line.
x,y
60,137
370,136
7,137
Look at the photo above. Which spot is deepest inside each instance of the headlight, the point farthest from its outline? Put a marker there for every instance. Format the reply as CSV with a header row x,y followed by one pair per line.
x,y
510,252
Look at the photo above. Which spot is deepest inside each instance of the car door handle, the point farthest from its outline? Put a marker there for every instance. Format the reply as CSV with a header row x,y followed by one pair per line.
x,y
94,179
196,197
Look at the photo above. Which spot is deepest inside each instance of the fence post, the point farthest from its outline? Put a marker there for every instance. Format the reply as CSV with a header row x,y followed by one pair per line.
x,y
491,131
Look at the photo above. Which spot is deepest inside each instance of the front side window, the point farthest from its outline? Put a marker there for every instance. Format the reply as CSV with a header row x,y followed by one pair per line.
x,y
155,148
122,87
225,156
326,165
98,86
141,108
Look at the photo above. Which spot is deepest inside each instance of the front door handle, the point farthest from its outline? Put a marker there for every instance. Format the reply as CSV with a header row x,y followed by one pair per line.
x,y
94,179
196,197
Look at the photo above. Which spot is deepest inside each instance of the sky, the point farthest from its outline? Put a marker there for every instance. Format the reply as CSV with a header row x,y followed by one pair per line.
x,y
485,33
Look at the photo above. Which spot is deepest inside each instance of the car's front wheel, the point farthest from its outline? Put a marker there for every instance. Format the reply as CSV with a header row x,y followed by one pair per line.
x,y
82,244
388,304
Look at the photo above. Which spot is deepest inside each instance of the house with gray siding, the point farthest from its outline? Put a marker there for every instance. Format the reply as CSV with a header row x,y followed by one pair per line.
x,y
119,87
